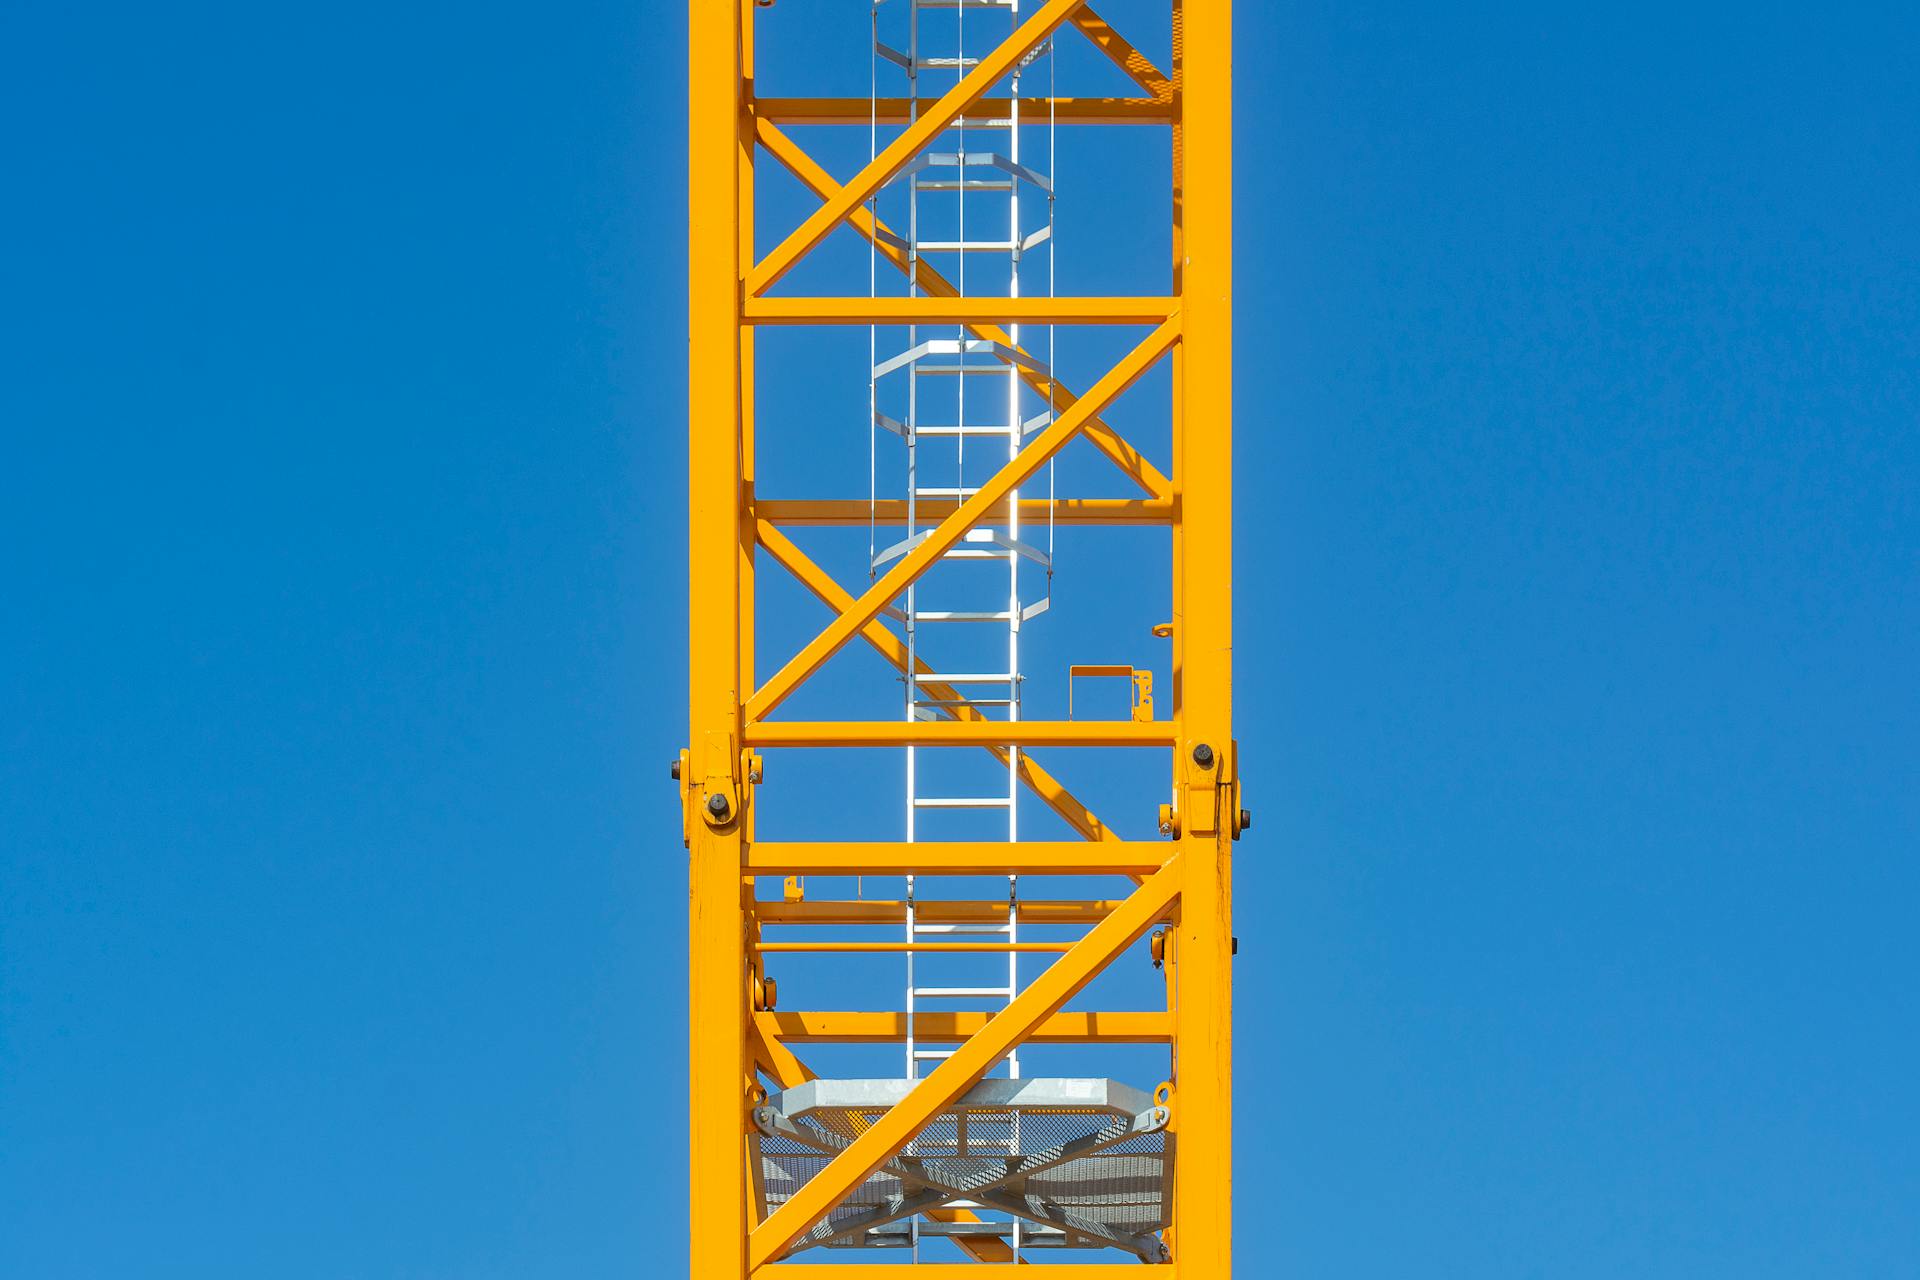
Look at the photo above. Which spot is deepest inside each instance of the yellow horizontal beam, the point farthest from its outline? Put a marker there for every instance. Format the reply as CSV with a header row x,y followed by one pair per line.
x,y
956,858
823,911
901,110
952,1026
867,947
949,1271
959,733
851,512
944,310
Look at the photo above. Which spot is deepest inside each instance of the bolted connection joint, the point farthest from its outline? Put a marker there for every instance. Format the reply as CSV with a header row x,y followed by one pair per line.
x,y
717,805
1203,756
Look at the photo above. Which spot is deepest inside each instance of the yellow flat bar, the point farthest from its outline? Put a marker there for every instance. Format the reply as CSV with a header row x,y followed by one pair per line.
x,y
862,947
900,110
956,858
851,512
952,1271
959,733
1129,59
951,1026
943,310
877,911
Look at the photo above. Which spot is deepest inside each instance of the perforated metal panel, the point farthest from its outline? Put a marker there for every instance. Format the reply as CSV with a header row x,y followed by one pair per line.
x,y
1090,1168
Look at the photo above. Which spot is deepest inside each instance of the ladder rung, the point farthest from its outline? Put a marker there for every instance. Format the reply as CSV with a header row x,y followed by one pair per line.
x,y
948,491
951,616
963,702
962,993
924,1054
961,802
998,433
965,677
960,930
962,184
966,246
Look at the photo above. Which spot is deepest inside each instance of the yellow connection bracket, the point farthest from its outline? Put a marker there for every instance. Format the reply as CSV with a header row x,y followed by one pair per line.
x,y
719,798
1141,691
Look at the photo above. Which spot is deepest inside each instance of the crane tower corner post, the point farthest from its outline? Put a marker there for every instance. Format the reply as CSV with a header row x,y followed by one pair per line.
x,y
982,892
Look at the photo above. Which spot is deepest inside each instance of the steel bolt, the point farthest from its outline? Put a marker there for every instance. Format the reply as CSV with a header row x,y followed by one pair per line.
x,y
717,805
675,770
1246,819
1203,756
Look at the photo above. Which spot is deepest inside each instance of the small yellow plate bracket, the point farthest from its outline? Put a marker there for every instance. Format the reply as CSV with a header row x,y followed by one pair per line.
x,y
1141,691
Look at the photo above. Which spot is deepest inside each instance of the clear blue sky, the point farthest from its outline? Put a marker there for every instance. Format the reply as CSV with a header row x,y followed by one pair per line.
x,y
342,409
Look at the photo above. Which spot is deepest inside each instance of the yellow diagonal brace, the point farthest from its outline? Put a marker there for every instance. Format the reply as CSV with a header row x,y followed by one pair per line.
x,y
1098,434
1124,55
952,703
771,1052
972,87
954,527
973,1059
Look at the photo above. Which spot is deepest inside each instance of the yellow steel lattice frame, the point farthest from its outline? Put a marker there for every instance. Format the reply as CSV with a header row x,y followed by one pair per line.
x,y
1186,878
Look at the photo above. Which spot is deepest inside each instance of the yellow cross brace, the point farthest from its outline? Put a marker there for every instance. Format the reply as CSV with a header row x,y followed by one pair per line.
x,y
970,513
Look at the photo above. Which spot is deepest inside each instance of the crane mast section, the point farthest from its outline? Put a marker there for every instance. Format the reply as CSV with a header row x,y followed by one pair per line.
x,y
960,1152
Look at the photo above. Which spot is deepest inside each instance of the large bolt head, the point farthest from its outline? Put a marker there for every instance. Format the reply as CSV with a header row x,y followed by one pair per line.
x,y
1203,756
717,805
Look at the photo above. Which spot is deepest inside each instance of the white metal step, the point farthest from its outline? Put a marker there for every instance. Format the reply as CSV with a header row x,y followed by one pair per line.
x,y
960,802
997,433
962,184
967,246
967,677
962,993
954,615
960,930
975,553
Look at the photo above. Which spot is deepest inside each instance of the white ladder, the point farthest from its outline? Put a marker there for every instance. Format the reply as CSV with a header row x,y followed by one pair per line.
x,y
978,384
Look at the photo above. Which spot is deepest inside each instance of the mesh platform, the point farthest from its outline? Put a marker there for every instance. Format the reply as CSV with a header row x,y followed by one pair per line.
x,y
1076,1163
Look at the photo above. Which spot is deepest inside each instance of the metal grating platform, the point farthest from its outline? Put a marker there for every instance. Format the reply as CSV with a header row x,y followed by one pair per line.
x,y
1077,1163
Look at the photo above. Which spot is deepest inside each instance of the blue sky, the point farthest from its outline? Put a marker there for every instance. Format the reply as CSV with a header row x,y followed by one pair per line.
x,y
343,402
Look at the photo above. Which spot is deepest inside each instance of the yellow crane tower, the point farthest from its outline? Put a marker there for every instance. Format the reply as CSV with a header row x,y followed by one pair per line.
x,y
961,1158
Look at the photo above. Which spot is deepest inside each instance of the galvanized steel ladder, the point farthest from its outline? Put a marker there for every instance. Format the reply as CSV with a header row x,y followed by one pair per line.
x,y
999,418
